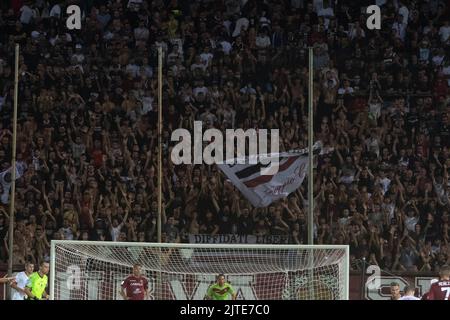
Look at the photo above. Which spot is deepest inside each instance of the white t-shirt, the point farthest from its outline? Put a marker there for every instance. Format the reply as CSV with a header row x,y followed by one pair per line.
x,y
345,90
7,184
344,221
26,14
55,11
133,69
141,33
198,66
439,189
262,41
410,223
375,109
438,60
400,30
197,90
78,58
241,23
147,102
355,32
317,5
115,232
22,280
68,234
385,182
373,146
409,298
405,14
134,2
446,71
226,47
444,32
326,12
206,58
2,101
390,208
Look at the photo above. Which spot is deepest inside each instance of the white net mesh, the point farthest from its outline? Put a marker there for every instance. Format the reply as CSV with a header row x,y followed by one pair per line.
x,y
95,270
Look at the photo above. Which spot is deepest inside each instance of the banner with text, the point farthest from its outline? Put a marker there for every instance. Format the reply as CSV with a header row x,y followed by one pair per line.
x,y
235,238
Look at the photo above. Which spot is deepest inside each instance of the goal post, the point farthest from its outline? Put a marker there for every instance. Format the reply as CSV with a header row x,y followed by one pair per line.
x,y
94,270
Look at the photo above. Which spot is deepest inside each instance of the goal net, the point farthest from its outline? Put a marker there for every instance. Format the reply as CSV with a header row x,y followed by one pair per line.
x,y
87,270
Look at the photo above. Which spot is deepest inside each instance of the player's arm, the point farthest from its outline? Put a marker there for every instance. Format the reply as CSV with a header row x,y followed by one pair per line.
x,y
45,294
233,293
146,295
123,293
14,286
28,288
209,293
6,280
29,293
122,289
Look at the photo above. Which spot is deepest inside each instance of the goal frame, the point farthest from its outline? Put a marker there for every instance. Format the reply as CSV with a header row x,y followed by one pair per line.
x,y
346,248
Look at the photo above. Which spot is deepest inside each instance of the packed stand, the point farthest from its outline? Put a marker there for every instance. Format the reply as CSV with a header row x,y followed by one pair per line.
x,y
87,139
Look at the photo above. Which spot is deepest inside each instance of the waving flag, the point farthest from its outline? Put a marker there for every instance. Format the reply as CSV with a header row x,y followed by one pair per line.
x,y
6,178
262,190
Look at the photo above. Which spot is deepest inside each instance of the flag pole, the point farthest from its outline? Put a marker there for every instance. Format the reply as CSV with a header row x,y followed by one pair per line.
x,y
13,170
310,174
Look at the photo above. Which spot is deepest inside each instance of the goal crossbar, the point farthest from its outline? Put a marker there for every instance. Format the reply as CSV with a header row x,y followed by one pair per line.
x,y
200,245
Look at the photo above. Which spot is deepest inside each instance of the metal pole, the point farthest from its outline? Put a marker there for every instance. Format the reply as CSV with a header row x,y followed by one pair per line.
x,y
159,292
363,278
52,269
310,152
159,142
310,174
13,170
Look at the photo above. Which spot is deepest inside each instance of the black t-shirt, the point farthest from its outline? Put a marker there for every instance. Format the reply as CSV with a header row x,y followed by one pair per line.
x,y
95,234
273,107
226,221
32,60
3,231
444,132
367,182
208,227
412,119
245,225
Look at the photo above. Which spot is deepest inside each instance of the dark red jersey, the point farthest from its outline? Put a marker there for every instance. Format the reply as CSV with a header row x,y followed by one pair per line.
x,y
135,287
439,290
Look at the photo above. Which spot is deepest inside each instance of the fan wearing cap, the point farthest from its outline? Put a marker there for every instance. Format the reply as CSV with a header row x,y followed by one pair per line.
x,y
425,295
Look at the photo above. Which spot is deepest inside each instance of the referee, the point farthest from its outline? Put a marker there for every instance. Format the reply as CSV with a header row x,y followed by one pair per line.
x,y
37,283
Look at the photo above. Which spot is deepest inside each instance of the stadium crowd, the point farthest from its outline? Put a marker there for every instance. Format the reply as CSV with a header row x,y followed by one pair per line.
x,y
87,139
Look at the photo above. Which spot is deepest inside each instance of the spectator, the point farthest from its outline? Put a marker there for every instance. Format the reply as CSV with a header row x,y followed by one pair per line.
x,y
87,123
395,291
409,294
